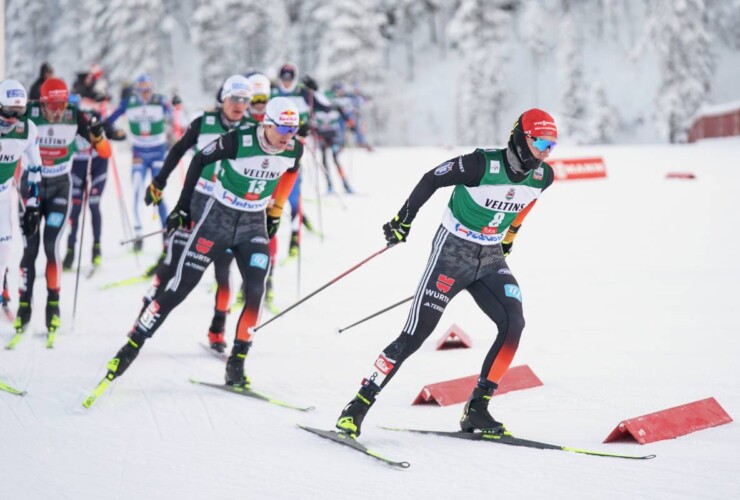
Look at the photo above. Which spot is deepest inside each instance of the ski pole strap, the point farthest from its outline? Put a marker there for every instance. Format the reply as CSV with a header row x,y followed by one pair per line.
x,y
345,273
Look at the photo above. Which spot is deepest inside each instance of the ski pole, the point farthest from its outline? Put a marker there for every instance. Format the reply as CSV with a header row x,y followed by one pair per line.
x,y
85,199
340,330
153,233
304,299
321,165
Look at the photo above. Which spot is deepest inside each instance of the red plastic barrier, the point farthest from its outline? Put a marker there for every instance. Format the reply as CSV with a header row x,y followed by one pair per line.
x,y
671,423
578,168
454,338
457,391
680,175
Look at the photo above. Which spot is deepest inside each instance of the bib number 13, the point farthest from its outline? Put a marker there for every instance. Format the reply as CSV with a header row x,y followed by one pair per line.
x,y
257,187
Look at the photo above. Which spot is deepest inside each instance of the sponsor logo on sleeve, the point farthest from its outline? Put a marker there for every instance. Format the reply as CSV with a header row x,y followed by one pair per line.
x,y
210,148
538,173
443,169
247,141
495,166
210,120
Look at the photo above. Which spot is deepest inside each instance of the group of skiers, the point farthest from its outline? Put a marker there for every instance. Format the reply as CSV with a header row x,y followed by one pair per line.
x,y
246,167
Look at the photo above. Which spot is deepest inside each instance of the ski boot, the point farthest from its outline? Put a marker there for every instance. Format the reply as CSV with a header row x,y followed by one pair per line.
x,y
235,365
69,259
53,321
125,356
348,189
97,259
23,316
216,332
475,415
354,413
293,249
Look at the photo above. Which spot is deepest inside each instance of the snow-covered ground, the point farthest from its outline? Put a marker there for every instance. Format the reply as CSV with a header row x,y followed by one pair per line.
x,y
629,288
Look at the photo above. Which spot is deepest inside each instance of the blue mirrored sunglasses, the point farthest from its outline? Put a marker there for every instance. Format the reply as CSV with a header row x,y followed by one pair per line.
x,y
542,144
286,129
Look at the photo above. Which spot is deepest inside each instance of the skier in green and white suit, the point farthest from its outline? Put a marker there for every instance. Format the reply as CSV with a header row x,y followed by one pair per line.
x,y
494,191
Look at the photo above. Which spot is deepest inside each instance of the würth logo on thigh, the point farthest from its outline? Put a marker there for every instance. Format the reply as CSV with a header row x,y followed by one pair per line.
x,y
203,245
444,283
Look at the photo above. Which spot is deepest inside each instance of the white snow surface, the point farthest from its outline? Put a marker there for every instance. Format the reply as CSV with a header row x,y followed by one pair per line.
x,y
629,288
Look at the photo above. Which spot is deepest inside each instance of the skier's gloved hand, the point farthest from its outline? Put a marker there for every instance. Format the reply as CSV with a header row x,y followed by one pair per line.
x,y
506,247
97,131
30,221
153,193
304,130
396,231
114,133
180,217
273,223
310,83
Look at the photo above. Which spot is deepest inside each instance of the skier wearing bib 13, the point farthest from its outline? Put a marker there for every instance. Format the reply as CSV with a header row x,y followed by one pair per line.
x,y
494,191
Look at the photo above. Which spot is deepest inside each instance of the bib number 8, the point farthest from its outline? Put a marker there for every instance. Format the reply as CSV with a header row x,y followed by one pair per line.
x,y
497,219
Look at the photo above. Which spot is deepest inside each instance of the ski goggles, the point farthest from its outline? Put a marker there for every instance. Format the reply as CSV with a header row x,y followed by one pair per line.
x,y
240,99
542,144
12,111
259,99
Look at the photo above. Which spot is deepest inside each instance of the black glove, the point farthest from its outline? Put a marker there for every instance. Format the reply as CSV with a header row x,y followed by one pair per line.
x,y
273,223
114,133
395,231
97,130
310,83
304,130
506,247
154,192
176,99
30,221
179,217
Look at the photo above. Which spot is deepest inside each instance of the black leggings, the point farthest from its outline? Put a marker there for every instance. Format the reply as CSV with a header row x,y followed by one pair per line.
x,y
455,265
98,176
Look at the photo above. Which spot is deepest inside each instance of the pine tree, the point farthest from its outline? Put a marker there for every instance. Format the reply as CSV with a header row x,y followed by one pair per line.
x,y
687,64
574,90
352,53
480,30
20,62
603,122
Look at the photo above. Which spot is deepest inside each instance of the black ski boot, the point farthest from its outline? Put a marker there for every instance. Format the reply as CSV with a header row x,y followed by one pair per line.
x,y
475,415
23,316
97,258
216,332
125,356
294,247
69,259
354,413
235,365
53,320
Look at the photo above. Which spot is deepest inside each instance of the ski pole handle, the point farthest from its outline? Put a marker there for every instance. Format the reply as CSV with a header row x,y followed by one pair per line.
x,y
304,299
155,233
340,330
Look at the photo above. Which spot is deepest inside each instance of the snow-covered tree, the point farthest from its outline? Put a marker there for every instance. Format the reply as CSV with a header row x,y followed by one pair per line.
x,y
603,122
308,30
480,31
686,63
352,52
211,43
574,91
19,59
135,42
536,33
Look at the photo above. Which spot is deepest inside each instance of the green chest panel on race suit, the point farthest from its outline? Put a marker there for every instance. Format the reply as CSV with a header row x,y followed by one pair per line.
x,y
211,129
483,213
297,98
57,141
247,182
146,121
12,147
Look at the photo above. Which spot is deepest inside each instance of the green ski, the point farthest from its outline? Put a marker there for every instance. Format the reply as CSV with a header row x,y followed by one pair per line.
x,y
245,391
5,387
